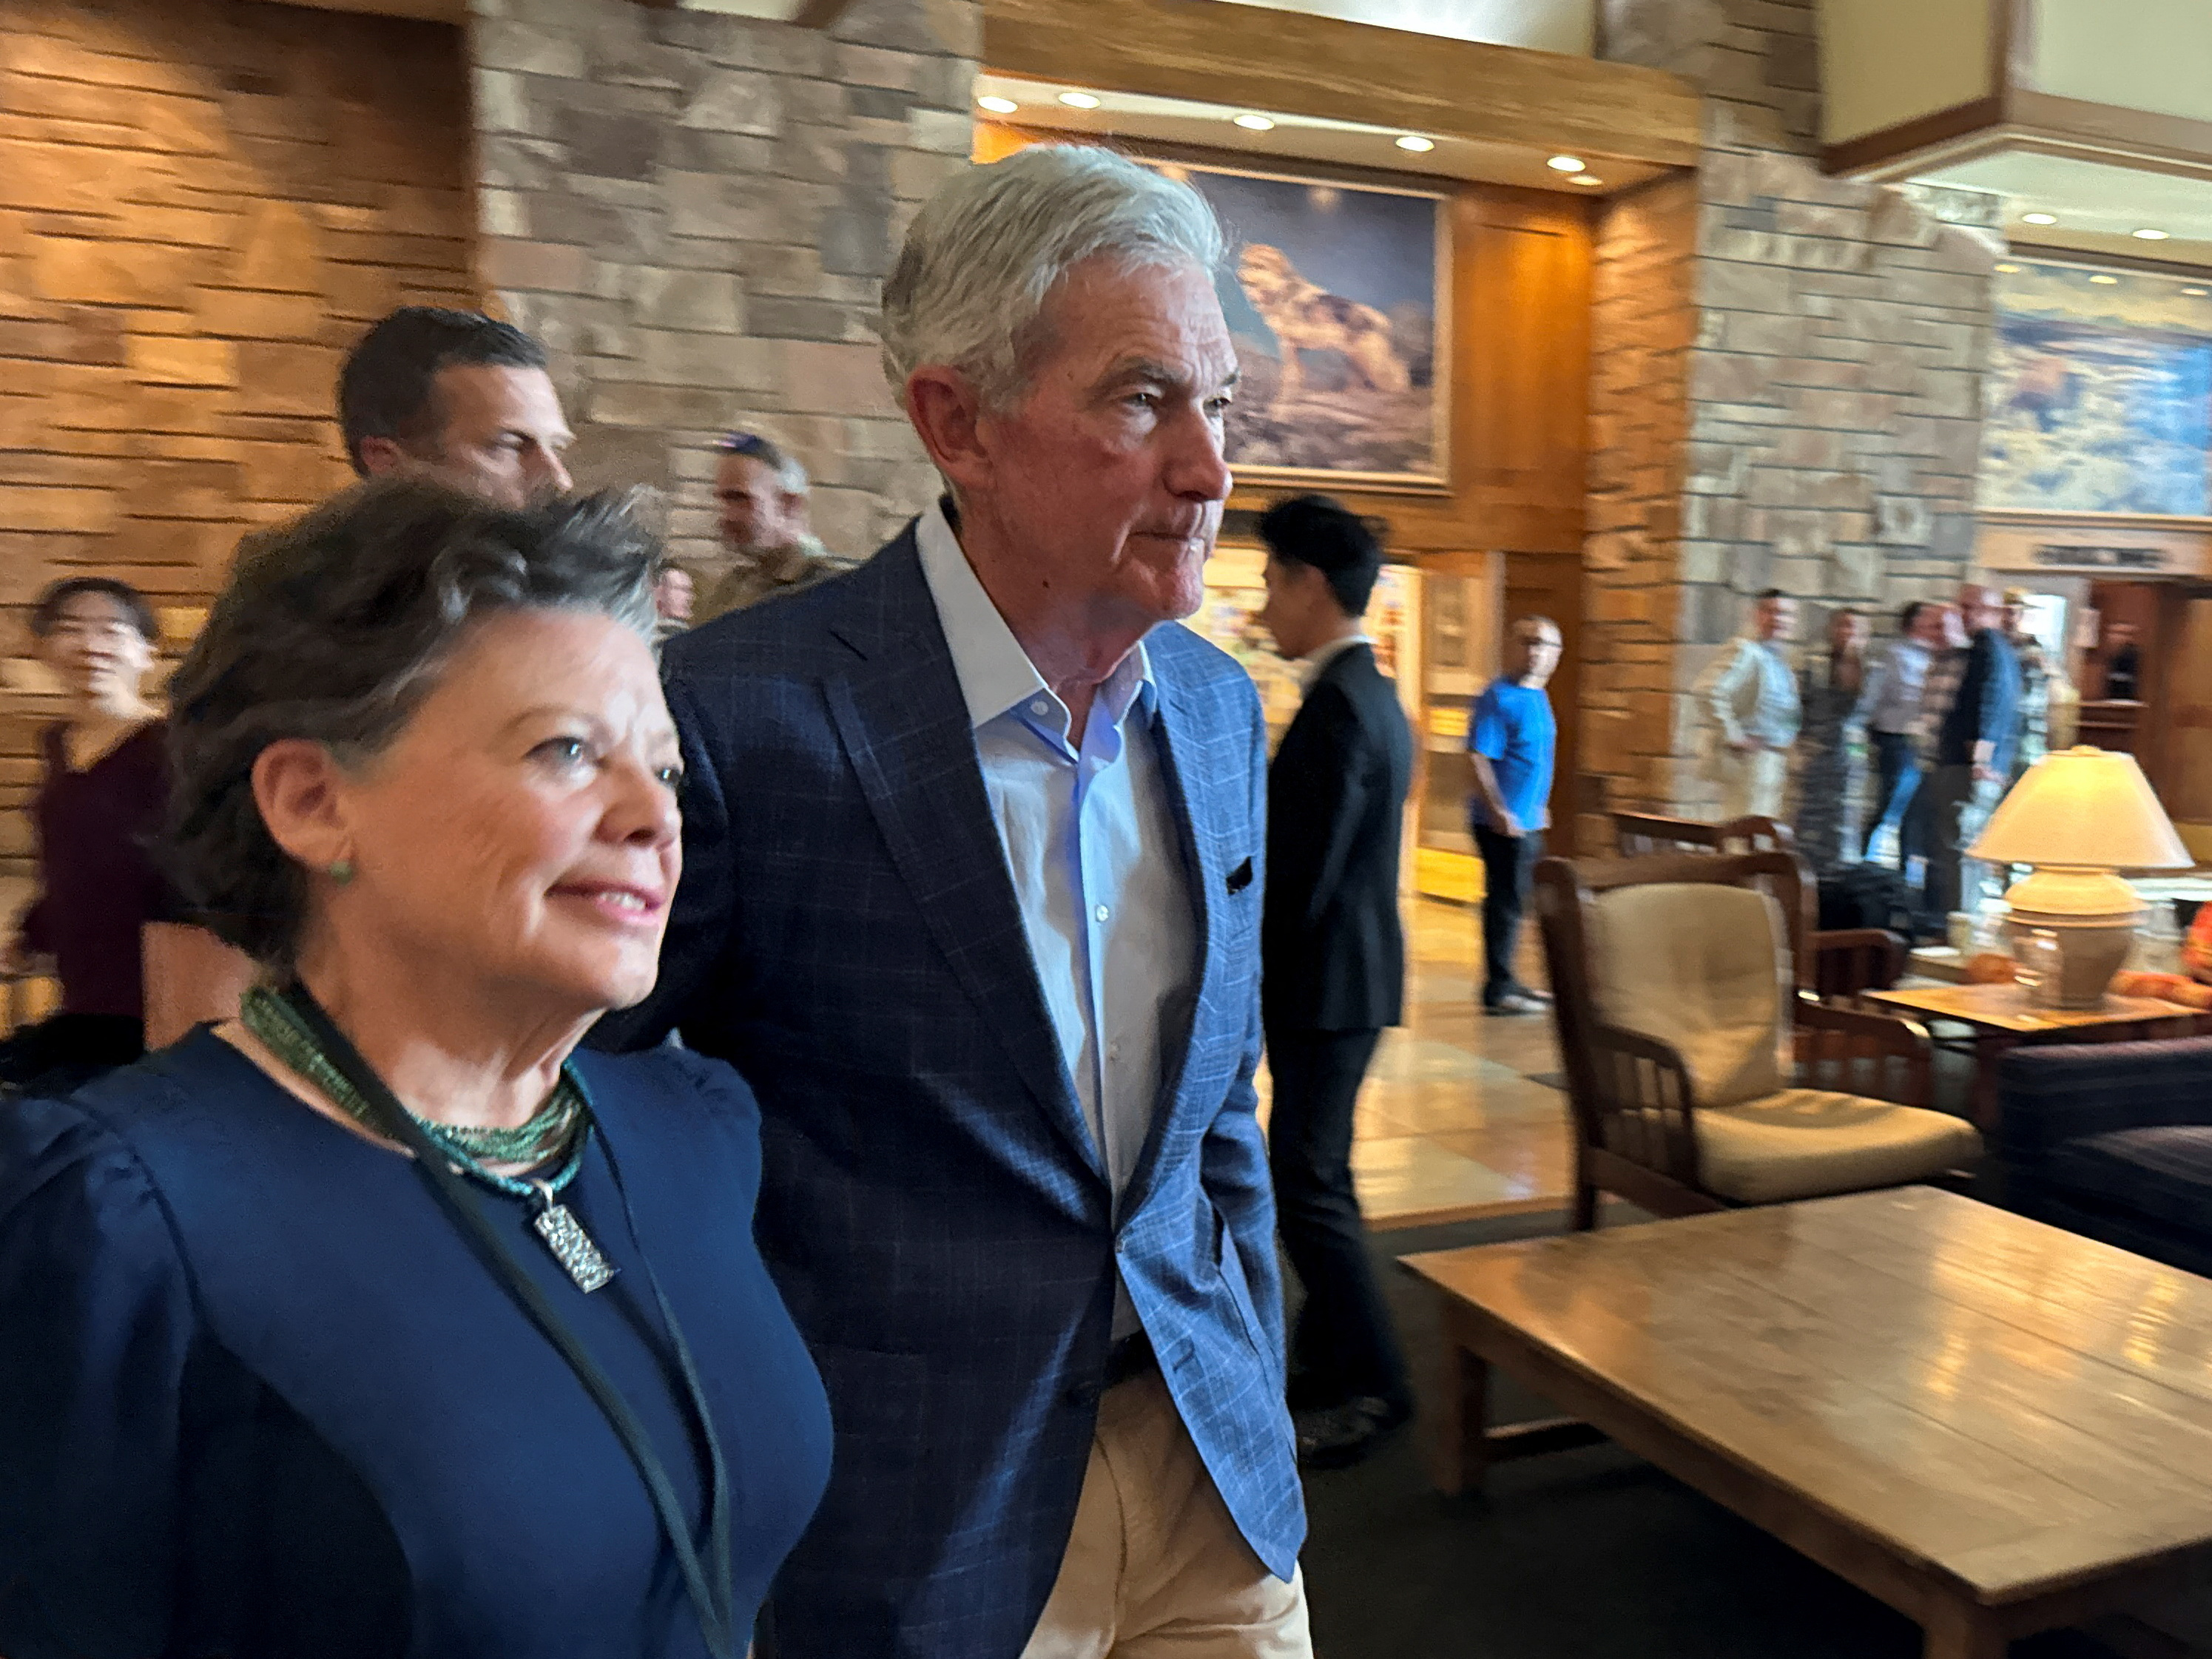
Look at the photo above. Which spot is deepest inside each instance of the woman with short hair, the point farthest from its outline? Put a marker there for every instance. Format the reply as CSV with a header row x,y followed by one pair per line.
x,y
102,786
377,1321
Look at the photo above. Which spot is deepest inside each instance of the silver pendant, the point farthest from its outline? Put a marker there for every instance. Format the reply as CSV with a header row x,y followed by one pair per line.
x,y
571,1245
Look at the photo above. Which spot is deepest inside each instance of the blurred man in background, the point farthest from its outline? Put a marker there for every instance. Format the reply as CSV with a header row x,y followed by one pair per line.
x,y
762,493
1973,737
1890,707
1749,700
1511,739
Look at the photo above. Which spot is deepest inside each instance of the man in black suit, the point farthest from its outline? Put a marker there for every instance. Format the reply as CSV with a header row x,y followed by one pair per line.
x,y
1333,964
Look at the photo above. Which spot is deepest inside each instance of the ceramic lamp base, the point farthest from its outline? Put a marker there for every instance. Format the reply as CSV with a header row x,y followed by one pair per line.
x,y
2091,949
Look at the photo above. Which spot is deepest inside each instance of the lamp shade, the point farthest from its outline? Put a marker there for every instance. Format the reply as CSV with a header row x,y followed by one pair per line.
x,y
2086,808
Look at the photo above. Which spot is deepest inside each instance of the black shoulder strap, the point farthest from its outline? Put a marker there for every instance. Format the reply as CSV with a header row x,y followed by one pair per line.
x,y
713,1597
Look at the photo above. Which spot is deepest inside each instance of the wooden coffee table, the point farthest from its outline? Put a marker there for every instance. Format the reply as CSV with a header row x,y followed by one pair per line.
x,y
1994,1426
2001,1019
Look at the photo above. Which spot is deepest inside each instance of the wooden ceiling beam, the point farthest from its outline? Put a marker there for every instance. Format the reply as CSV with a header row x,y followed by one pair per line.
x,y
1294,63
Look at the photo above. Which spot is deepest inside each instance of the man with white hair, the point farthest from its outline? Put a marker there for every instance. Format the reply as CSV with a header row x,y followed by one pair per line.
x,y
971,895
761,497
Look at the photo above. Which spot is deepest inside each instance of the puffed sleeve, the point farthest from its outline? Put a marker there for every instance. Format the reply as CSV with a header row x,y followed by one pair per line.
x,y
95,1322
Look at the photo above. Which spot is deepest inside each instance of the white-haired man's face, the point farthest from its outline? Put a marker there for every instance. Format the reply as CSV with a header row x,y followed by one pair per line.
x,y
1107,474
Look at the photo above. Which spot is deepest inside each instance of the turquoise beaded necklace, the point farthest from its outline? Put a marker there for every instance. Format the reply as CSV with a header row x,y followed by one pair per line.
x,y
557,1130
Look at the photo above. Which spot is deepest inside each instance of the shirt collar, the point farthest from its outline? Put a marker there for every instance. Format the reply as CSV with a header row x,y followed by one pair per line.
x,y
995,674
1314,663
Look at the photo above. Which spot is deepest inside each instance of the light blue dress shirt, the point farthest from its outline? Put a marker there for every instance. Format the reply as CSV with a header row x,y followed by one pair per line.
x,y
1090,835
1890,699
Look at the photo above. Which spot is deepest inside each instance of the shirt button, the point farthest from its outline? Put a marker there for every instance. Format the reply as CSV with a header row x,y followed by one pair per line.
x,y
1040,707
1102,913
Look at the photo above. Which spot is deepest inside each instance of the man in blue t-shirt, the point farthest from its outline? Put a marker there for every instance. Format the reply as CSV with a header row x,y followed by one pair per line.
x,y
1510,739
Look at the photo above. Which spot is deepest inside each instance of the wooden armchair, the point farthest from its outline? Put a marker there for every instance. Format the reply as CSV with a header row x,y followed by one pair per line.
x,y
1641,835
1700,1075
1846,962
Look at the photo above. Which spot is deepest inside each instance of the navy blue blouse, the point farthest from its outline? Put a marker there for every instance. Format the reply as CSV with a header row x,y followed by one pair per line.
x,y
258,1397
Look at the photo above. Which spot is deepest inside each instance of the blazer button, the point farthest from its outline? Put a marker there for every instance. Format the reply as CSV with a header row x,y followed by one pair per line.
x,y
1083,1395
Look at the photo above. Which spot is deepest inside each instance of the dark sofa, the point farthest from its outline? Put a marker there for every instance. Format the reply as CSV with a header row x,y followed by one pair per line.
x,y
2112,1140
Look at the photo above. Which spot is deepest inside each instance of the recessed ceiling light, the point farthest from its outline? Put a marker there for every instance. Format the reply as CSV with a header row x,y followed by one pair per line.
x,y
1585,178
1414,141
2149,235
2038,218
1078,99
2009,270
997,106
2106,281
1565,164
2194,292
1253,122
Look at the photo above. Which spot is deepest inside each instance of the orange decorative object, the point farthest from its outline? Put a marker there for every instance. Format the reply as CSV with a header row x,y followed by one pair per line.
x,y
2196,949
1989,967
2166,987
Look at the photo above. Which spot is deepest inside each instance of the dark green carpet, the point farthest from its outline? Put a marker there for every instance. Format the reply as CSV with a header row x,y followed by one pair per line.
x,y
1591,1554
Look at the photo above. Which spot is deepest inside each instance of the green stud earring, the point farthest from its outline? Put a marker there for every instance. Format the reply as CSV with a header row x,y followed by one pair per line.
x,y
342,871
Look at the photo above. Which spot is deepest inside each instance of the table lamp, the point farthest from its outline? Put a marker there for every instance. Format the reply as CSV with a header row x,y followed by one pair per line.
x,y
2079,815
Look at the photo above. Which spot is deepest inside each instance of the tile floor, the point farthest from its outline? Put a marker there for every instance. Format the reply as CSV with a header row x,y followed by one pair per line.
x,y
1451,1124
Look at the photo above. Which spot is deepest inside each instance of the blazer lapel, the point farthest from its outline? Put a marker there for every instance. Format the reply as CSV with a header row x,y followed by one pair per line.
x,y
905,730
1192,784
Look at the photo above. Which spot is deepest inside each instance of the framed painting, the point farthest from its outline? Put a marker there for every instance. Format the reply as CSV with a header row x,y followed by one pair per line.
x,y
2100,393
1337,298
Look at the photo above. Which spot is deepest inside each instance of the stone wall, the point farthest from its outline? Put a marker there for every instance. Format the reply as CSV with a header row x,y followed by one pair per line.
x,y
695,213
1642,331
1832,384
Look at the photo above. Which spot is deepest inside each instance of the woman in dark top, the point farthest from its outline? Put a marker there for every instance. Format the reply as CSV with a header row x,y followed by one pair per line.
x,y
1830,762
102,786
375,1323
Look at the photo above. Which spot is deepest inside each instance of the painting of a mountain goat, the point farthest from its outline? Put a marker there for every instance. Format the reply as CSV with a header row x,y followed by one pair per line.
x,y
1335,295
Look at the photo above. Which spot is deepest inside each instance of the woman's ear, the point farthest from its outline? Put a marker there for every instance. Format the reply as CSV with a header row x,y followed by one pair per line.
x,y
297,787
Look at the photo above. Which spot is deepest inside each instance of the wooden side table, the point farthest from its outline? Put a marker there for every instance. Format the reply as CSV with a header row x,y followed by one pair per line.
x,y
2001,1019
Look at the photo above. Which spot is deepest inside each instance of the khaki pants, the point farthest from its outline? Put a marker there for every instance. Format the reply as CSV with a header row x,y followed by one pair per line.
x,y
1752,785
1155,1566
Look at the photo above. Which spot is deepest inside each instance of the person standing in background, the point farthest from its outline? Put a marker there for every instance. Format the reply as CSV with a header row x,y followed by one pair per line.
x,y
1510,741
1828,769
1973,742
2036,687
1888,706
673,592
2123,663
103,783
1333,964
1749,699
457,398
763,494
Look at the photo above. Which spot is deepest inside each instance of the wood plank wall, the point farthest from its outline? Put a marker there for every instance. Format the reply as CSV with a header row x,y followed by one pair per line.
x,y
202,203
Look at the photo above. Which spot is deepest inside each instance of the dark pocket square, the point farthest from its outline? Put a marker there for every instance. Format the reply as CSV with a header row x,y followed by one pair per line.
x,y
1241,877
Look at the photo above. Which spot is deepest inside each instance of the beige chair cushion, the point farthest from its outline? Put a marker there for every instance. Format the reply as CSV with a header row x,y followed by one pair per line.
x,y
1703,967
1806,1143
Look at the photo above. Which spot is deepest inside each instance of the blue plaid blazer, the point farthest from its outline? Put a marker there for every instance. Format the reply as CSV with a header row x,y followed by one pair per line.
x,y
932,1205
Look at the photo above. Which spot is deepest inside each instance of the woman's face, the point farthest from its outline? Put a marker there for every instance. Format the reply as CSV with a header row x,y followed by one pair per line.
x,y
521,830
1847,633
94,647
